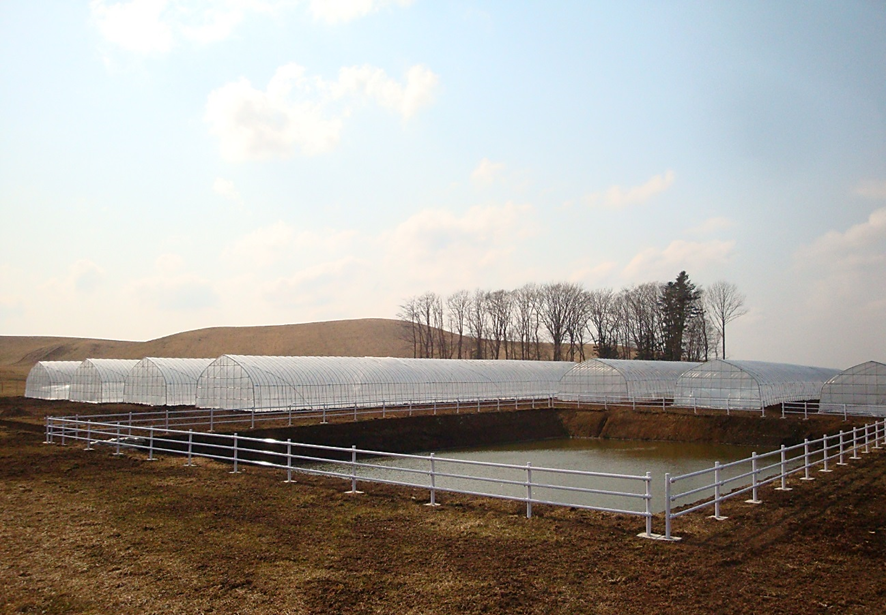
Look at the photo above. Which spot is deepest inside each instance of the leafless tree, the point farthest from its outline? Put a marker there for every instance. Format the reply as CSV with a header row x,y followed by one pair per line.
x,y
500,305
641,319
478,322
603,319
557,304
526,320
725,304
458,304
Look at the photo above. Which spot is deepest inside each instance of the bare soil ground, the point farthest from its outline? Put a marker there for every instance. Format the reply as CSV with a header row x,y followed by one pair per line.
x,y
88,532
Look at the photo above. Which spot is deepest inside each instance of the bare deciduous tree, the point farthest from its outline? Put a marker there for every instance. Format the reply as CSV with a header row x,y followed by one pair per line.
x,y
458,303
724,304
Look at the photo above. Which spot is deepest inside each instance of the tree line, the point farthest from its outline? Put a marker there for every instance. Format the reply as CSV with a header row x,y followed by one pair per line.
x,y
674,321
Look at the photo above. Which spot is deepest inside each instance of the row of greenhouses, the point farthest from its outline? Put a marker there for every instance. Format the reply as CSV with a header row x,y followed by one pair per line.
x,y
237,382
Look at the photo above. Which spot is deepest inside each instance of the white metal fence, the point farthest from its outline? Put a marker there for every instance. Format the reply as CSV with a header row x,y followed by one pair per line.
x,y
160,432
748,475
526,484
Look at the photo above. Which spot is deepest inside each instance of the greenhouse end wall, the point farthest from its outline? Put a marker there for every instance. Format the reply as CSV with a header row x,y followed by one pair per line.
x,y
164,382
749,385
100,380
617,380
50,379
861,389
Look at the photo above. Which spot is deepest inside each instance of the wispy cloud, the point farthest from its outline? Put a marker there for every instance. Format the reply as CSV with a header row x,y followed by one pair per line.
x,y
340,11
307,113
872,189
711,226
617,197
693,256
486,171
226,189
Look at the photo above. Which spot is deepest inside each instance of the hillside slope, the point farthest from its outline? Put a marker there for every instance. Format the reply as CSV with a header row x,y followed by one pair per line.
x,y
365,337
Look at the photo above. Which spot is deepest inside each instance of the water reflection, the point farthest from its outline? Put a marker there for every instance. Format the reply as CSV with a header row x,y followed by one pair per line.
x,y
609,456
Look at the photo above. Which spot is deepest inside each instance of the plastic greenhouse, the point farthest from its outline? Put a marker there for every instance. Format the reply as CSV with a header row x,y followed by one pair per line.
x,y
246,382
617,380
50,379
748,385
858,390
100,380
164,382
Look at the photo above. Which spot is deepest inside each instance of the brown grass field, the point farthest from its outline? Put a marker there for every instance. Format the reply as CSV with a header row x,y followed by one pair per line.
x,y
88,532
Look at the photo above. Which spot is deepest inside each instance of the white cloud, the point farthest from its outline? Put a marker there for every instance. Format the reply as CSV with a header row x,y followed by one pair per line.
x,y
226,189
156,26
135,26
872,190
339,11
83,277
692,256
711,226
861,243
297,111
486,171
178,292
616,197
278,242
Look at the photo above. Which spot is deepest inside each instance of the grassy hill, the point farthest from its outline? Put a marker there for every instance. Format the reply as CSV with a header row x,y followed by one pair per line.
x,y
375,337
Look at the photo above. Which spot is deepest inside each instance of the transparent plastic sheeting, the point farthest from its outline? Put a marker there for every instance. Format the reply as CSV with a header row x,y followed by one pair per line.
x,y
100,380
164,382
50,379
858,390
748,385
602,379
245,382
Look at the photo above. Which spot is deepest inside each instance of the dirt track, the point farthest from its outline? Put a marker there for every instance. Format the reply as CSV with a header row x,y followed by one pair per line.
x,y
87,532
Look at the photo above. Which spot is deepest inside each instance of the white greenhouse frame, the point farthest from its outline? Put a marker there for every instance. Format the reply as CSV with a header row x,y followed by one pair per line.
x,y
155,381
99,381
50,379
604,380
236,382
748,385
861,389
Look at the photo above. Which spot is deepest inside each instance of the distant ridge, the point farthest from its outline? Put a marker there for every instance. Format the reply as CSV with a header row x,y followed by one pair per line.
x,y
377,337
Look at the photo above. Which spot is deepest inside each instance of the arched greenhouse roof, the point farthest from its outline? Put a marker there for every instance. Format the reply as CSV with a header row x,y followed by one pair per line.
x,y
749,384
243,382
100,380
861,389
164,382
617,379
50,379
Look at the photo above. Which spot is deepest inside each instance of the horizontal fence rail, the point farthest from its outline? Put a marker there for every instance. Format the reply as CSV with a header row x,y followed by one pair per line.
x,y
746,476
527,484
213,419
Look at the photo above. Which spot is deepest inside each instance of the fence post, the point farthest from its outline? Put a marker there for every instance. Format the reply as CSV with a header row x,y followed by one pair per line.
x,y
64,431
867,438
236,471
528,490
805,410
648,504
433,475
130,424
841,462
783,471
48,432
782,409
118,440
727,406
717,492
855,443
825,453
167,420
190,446
288,460
211,418
667,506
290,416
88,436
806,460
252,421
876,435
151,443
755,480
353,470
323,420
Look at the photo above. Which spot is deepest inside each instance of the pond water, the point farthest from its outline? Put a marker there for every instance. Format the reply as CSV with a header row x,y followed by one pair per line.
x,y
589,455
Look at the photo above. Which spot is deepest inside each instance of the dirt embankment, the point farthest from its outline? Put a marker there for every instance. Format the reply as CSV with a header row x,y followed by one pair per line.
x,y
424,433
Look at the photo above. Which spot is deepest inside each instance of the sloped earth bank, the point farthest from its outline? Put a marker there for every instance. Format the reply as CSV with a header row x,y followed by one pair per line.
x,y
88,532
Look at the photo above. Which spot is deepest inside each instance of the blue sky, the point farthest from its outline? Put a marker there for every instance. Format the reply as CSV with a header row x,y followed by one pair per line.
x,y
168,165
